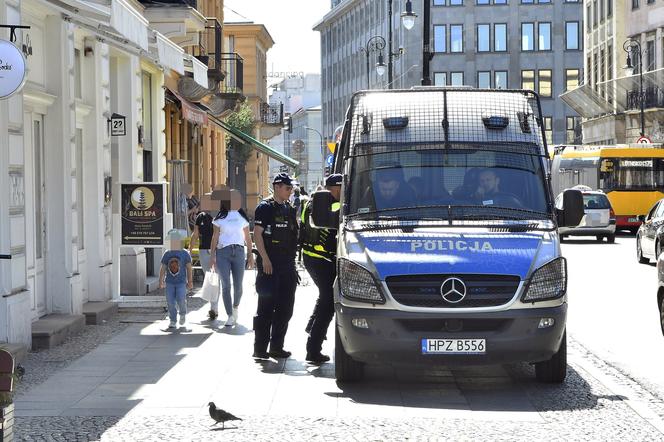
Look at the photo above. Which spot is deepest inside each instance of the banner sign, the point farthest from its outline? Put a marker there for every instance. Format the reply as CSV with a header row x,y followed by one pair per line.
x,y
12,69
143,214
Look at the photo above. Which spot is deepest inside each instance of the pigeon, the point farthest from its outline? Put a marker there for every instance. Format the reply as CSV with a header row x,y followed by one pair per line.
x,y
220,415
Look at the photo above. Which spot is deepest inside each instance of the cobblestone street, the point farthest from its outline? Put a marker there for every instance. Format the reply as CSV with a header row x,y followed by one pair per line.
x,y
134,381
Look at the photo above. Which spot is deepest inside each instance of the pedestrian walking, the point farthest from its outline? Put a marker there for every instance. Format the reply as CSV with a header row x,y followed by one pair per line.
x,y
176,277
231,234
275,233
319,247
202,235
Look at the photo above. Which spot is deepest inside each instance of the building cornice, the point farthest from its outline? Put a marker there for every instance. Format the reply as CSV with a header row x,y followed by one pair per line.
x,y
338,10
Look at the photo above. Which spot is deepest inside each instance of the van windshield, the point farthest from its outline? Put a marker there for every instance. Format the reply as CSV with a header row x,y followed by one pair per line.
x,y
447,184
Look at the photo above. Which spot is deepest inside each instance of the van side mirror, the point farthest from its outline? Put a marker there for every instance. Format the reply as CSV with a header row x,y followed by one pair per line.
x,y
642,218
572,211
322,215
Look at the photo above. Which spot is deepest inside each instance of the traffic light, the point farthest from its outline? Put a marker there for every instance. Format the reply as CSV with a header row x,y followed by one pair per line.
x,y
288,124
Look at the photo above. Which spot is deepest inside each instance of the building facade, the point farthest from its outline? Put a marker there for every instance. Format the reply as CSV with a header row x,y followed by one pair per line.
x,y
529,44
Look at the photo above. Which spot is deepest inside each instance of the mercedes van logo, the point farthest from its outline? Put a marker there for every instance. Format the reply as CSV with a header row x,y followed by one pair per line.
x,y
453,290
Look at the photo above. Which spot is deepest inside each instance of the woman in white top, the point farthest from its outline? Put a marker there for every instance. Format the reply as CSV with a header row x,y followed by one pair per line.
x,y
231,234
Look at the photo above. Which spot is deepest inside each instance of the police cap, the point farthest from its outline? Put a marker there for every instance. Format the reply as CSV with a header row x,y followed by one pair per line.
x,y
334,180
283,178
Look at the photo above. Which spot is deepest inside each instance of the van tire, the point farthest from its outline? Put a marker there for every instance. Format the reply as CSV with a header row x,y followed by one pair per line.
x,y
561,237
554,370
345,368
611,239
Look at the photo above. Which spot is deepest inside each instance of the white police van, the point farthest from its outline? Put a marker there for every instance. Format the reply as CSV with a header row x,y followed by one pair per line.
x,y
448,250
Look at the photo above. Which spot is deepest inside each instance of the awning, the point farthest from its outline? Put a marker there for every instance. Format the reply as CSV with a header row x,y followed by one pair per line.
x,y
261,147
190,111
130,23
586,102
621,88
168,53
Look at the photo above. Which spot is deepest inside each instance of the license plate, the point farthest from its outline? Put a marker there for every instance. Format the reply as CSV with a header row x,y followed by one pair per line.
x,y
632,220
453,346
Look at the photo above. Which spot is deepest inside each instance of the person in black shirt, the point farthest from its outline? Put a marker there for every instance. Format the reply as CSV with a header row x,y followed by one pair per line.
x,y
275,235
203,231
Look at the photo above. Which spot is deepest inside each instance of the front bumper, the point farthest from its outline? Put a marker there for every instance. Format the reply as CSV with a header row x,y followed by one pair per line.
x,y
589,231
394,337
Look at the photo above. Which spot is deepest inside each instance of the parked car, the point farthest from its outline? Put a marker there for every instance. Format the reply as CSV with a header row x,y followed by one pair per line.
x,y
599,220
660,290
650,236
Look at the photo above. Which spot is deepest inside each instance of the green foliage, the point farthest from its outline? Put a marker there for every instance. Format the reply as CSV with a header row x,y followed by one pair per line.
x,y
242,120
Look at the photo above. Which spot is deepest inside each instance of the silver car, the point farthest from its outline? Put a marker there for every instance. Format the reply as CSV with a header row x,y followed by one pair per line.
x,y
599,219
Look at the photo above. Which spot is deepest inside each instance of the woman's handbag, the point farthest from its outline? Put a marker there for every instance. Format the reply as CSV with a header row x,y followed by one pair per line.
x,y
210,290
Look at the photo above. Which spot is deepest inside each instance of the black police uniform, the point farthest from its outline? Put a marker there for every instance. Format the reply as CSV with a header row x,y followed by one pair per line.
x,y
319,249
276,292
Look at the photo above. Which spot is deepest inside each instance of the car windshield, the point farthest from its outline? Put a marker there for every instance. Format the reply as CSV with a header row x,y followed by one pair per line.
x,y
450,184
595,201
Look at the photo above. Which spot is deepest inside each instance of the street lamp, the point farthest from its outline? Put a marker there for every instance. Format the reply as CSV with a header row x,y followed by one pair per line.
x,y
322,151
374,44
408,16
634,47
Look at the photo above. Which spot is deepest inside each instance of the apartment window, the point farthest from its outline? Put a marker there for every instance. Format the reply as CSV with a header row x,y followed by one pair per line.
x,y
527,36
588,16
77,74
456,78
635,4
650,1
439,2
650,58
571,79
609,62
573,126
499,2
439,38
440,79
483,38
500,37
484,79
500,80
572,35
609,8
571,1
482,2
543,1
147,110
548,130
544,31
456,38
601,10
595,69
602,72
528,1
528,80
544,83
456,2
595,13
589,79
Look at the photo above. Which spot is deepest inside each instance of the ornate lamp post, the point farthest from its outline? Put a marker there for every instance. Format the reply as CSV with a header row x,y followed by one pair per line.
x,y
634,47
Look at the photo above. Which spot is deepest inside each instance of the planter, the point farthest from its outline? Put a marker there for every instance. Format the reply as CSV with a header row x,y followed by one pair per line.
x,y
7,423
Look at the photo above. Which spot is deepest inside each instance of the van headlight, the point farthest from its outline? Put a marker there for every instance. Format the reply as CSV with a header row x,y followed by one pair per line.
x,y
548,282
357,283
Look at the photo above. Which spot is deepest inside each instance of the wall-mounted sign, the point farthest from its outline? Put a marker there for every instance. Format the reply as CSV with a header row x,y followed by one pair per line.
x,y
118,125
329,160
143,214
12,69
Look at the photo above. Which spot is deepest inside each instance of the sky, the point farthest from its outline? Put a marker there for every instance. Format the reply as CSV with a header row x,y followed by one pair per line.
x,y
289,22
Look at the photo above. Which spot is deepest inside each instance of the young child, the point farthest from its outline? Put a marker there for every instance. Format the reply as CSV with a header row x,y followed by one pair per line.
x,y
176,277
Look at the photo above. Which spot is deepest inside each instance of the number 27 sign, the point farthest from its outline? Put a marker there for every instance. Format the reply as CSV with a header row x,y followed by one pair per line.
x,y
118,125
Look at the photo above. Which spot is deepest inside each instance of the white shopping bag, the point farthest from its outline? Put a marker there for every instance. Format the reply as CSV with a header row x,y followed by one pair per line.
x,y
210,290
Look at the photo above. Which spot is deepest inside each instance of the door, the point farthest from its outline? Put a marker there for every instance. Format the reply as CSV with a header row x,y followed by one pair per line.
x,y
39,207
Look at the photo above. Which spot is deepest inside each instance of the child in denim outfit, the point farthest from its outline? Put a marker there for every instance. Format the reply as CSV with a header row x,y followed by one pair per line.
x,y
176,277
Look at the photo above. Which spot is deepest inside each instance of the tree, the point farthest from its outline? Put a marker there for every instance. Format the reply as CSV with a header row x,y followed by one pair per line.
x,y
242,120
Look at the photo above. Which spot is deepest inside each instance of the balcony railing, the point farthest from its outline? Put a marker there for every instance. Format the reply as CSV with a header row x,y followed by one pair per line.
x,y
190,3
272,113
233,65
209,49
652,97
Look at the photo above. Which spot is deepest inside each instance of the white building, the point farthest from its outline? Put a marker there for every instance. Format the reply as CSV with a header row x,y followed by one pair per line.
x,y
59,217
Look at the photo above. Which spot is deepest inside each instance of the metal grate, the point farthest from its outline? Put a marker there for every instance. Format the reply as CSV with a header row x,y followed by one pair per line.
x,y
425,290
455,325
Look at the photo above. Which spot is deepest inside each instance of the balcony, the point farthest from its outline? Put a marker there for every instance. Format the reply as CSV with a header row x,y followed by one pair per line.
x,y
209,52
233,65
272,114
190,3
653,98
176,19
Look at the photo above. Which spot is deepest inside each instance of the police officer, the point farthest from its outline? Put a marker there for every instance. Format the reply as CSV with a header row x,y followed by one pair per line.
x,y
275,235
319,247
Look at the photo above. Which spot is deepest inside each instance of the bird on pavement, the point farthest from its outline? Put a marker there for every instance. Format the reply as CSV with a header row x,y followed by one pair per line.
x,y
220,415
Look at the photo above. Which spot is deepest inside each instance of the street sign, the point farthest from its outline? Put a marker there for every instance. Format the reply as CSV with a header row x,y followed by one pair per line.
x,y
644,140
12,69
118,125
329,161
142,214
332,146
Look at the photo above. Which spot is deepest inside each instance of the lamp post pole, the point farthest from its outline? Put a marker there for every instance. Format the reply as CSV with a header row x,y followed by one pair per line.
x,y
322,152
374,44
631,46
426,40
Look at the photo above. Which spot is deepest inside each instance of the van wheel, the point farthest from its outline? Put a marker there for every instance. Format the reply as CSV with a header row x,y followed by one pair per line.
x,y
555,369
561,237
639,252
345,368
611,239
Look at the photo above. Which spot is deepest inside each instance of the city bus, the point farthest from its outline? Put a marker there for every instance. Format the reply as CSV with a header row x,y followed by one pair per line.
x,y
632,176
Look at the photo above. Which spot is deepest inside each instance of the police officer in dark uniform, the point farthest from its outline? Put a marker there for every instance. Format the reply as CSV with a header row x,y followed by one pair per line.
x,y
275,235
319,247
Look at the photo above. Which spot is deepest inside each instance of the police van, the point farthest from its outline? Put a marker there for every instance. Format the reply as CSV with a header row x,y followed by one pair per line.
x,y
448,251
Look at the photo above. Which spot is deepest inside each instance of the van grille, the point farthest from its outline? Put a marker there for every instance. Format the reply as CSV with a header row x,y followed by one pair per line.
x,y
424,290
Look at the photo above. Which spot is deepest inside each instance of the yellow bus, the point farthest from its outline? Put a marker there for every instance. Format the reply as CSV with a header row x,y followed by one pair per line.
x,y
632,176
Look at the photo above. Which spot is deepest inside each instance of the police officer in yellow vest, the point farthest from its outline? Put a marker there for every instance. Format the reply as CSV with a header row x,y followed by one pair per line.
x,y
319,249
